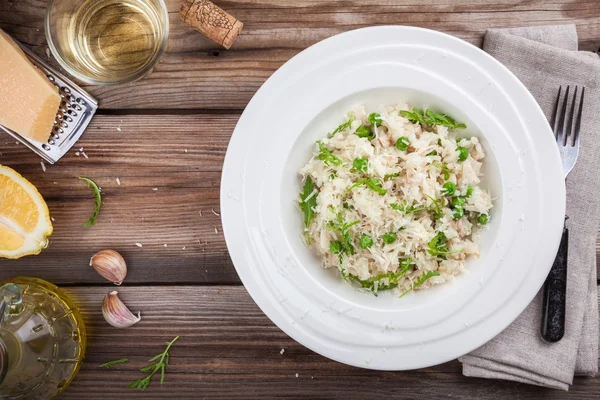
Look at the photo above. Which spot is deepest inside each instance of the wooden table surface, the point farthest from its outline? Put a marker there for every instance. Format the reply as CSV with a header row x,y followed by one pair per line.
x,y
164,138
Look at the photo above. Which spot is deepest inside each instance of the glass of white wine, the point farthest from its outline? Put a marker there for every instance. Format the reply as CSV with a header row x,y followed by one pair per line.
x,y
105,42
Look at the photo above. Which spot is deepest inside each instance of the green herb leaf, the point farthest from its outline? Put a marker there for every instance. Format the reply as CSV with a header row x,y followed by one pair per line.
x,y
327,155
96,189
391,176
335,247
431,118
432,153
371,183
162,360
377,284
360,164
343,126
437,208
113,362
421,280
308,203
375,119
444,168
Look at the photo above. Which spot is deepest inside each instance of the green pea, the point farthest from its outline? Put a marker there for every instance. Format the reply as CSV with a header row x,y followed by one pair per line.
x,y
469,191
390,237
463,153
360,164
402,143
458,201
483,219
365,241
335,247
364,131
375,119
449,188
458,212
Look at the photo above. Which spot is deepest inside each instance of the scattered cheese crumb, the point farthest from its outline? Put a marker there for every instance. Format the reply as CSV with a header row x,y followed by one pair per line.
x,y
43,166
183,248
282,351
77,153
155,189
119,128
200,213
55,183
52,218
216,230
185,150
118,181
296,374
214,212
83,154
138,244
165,245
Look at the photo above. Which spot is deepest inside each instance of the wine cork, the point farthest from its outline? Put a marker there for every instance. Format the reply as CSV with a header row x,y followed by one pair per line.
x,y
211,21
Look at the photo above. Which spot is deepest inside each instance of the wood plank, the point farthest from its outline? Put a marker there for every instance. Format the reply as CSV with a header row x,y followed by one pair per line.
x,y
180,156
195,73
230,349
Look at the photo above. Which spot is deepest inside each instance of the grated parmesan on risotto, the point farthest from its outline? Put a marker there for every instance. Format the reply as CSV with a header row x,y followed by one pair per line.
x,y
391,198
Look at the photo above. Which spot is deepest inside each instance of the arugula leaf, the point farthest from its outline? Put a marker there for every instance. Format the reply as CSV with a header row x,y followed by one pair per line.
x,y
437,246
420,281
160,365
343,126
308,203
391,176
376,283
327,155
113,362
96,189
405,208
340,226
444,168
431,118
371,183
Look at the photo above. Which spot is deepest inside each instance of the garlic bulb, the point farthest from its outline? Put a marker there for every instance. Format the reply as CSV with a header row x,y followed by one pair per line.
x,y
116,313
110,265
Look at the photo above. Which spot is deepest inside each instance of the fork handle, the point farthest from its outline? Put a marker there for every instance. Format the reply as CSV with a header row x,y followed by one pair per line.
x,y
555,294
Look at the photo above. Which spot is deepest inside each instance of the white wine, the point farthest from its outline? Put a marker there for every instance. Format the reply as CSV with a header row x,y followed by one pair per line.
x,y
113,39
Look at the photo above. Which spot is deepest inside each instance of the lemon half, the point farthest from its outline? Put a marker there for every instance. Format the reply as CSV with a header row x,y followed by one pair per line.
x,y
24,217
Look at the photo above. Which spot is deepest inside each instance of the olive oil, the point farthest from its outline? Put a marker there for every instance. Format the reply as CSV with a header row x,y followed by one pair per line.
x,y
42,340
113,39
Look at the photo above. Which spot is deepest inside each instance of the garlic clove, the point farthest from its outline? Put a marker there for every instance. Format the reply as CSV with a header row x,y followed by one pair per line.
x,y
116,313
110,265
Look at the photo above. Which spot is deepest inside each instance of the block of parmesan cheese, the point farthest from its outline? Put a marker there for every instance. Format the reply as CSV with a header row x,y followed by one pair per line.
x,y
28,101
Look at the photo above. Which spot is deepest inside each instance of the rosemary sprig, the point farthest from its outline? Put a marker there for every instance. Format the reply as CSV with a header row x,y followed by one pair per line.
x,y
162,360
113,362
96,189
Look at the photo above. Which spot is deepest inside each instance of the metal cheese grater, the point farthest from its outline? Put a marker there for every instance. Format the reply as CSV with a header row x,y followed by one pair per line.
x,y
74,114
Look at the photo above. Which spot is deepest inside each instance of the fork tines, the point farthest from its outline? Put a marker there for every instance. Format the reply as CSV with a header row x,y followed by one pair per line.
x,y
565,122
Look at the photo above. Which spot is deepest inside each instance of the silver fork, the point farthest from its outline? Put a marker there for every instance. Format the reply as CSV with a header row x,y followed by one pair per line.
x,y
566,124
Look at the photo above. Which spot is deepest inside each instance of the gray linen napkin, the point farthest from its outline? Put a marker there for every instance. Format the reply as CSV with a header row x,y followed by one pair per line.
x,y
544,58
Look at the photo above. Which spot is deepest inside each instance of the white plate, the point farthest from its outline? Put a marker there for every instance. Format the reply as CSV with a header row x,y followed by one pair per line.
x,y
308,97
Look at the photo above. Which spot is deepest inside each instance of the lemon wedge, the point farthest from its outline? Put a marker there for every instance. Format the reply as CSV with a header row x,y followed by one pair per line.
x,y
24,217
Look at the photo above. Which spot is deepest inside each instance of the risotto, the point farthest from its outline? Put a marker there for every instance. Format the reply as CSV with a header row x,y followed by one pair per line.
x,y
391,198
